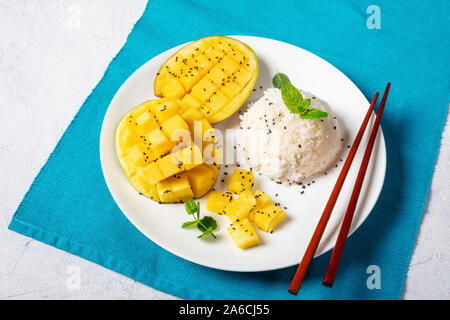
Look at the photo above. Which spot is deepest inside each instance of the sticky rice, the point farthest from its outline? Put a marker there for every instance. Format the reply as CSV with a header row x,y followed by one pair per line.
x,y
284,147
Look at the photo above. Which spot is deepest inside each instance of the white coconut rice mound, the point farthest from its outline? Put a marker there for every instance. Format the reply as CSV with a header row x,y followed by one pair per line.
x,y
282,146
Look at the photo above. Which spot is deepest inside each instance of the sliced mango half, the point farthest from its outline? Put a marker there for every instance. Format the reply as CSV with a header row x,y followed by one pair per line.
x,y
214,75
155,148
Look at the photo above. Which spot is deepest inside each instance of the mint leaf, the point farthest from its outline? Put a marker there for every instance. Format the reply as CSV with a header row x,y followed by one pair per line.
x,y
188,224
207,225
306,103
191,207
292,98
314,114
279,79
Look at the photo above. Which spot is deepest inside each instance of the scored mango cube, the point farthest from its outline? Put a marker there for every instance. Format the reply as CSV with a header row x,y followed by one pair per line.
x,y
180,189
243,234
173,89
169,166
240,207
146,123
159,143
153,173
176,129
164,109
241,180
217,201
268,217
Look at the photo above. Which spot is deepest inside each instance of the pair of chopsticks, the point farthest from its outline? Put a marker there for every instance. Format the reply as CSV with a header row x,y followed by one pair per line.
x,y
345,227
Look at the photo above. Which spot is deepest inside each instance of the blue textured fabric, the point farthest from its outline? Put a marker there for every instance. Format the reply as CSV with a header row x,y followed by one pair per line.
x,y
68,205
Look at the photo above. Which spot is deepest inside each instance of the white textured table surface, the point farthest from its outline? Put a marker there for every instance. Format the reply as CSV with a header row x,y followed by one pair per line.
x,y
52,54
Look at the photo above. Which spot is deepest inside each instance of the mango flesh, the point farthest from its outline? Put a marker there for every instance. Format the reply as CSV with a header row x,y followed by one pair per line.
x,y
241,180
217,201
243,234
155,148
240,207
214,75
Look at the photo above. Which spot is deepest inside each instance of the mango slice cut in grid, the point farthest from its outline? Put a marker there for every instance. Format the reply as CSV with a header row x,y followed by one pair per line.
x,y
156,155
215,75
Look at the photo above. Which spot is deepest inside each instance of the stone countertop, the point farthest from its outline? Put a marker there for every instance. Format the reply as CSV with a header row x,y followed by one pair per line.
x,y
52,54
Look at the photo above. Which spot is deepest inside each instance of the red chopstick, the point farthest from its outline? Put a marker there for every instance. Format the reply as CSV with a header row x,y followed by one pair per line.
x,y
345,227
314,242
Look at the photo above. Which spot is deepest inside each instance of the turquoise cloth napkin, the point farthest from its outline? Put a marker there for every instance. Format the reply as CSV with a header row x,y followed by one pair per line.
x,y
68,205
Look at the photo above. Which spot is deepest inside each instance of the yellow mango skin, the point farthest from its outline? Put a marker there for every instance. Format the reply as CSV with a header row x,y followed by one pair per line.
x,y
243,234
142,143
215,75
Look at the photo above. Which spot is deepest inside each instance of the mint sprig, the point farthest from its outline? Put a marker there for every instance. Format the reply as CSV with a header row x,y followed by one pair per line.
x,y
206,225
293,99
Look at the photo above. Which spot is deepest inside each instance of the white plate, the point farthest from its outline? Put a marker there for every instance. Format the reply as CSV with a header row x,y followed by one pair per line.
x,y
285,247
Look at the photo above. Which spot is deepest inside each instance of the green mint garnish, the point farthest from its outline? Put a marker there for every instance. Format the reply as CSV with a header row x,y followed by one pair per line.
x,y
313,114
206,225
293,99
279,79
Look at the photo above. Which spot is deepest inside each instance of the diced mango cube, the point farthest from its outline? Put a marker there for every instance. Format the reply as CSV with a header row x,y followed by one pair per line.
x,y
262,199
268,217
217,201
241,180
243,234
240,207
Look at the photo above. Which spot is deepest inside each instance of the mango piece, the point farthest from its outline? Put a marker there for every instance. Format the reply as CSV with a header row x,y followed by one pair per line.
x,y
156,166
198,72
240,207
175,189
217,201
261,200
201,180
243,234
268,217
241,180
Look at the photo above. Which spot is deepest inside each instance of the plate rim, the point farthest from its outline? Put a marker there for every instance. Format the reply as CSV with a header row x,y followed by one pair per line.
x,y
237,268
